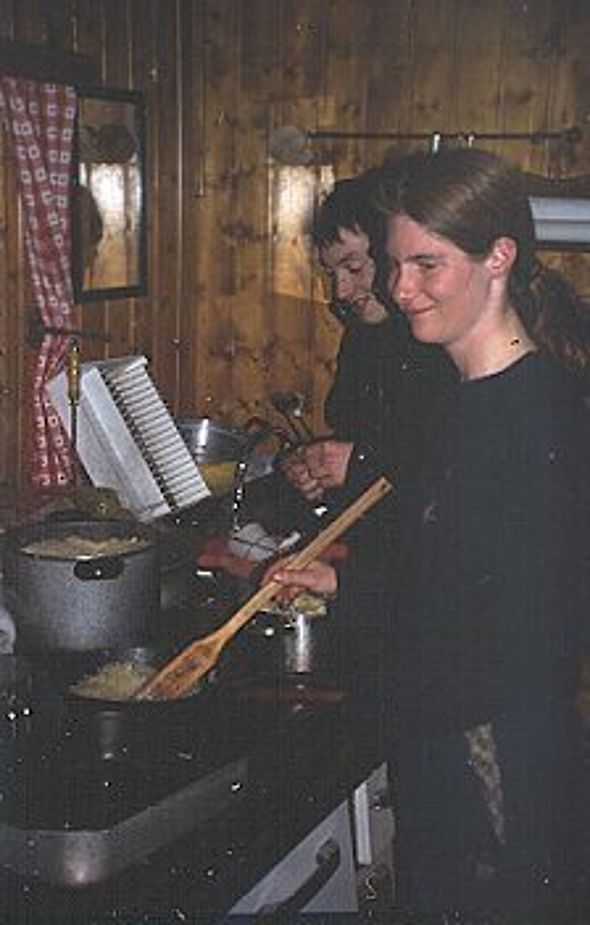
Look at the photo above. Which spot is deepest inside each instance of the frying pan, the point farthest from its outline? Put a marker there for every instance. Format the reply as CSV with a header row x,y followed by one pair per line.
x,y
100,730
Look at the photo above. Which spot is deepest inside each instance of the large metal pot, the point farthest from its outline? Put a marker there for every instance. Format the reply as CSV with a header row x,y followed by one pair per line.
x,y
72,601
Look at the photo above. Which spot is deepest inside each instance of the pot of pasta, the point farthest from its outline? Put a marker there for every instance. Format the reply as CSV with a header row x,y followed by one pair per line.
x,y
82,585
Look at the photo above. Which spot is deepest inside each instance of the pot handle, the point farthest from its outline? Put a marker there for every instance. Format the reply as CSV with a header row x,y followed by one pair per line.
x,y
103,568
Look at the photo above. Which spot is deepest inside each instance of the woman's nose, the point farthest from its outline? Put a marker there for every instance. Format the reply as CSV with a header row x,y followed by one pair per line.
x,y
400,284
341,286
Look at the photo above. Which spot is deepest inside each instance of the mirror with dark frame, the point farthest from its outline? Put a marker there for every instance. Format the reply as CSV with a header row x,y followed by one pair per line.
x,y
108,197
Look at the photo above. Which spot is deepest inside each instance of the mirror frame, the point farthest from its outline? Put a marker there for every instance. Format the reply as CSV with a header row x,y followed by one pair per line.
x,y
88,144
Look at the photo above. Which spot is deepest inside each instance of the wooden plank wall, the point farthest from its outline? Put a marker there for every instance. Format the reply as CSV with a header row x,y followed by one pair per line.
x,y
234,309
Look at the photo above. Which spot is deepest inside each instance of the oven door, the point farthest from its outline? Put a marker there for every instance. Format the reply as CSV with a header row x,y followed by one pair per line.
x,y
318,875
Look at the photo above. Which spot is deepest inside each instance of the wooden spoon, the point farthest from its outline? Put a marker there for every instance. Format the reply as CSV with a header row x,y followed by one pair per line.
x,y
183,672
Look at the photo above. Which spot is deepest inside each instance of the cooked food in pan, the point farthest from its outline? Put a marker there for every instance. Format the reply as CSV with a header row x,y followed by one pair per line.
x,y
76,546
310,605
120,681
114,681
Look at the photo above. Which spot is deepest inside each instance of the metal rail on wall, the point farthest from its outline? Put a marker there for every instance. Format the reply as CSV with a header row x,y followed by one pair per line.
x,y
291,145
571,135
560,205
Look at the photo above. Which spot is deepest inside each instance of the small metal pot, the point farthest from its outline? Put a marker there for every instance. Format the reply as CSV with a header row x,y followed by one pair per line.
x,y
291,644
71,602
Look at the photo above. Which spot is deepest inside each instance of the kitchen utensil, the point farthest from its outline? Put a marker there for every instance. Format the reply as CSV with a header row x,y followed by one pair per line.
x,y
190,665
68,600
290,405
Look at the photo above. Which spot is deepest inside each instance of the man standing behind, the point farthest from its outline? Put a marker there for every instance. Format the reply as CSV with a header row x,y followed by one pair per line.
x,y
384,379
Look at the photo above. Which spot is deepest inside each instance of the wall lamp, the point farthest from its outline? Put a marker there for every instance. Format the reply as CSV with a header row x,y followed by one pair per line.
x,y
562,222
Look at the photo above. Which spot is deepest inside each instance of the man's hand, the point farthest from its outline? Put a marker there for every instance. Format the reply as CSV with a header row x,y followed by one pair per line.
x,y
317,466
217,555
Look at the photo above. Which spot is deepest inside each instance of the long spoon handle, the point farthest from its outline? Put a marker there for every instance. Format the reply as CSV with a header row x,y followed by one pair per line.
x,y
199,657
314,548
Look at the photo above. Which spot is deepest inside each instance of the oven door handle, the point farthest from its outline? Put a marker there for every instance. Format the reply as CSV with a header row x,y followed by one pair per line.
x,y
327,861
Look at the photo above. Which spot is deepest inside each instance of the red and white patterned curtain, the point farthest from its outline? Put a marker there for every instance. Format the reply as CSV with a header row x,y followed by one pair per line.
x,y
40,121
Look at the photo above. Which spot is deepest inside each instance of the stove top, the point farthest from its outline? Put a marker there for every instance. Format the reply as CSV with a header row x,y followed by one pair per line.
x,y
73,813
189,823
84,829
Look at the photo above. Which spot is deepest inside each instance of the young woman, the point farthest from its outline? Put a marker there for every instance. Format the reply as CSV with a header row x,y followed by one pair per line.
x,y
488,580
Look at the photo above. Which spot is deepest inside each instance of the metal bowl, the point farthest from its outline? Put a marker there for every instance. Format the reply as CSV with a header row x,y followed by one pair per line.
x,y
212,441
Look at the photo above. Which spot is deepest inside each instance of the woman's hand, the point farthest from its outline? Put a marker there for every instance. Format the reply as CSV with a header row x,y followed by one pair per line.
x,y
317,466
318,577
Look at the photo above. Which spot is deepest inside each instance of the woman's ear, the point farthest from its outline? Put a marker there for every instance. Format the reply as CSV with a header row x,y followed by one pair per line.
x,y
502,255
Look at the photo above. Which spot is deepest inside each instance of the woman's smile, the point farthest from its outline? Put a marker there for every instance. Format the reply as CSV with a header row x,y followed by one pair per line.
x,y
441,290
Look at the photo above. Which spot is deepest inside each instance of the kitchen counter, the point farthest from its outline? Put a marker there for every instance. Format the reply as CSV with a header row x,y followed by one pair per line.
x,y
274,758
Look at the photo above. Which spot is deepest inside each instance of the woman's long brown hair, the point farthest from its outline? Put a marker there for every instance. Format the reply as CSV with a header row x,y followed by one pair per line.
x,y
472,197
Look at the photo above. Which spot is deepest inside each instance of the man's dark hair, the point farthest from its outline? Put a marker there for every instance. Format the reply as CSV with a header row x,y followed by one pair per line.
x,y
350,206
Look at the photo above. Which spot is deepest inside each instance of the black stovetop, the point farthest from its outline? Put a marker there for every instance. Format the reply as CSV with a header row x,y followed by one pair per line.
x,y
225,790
